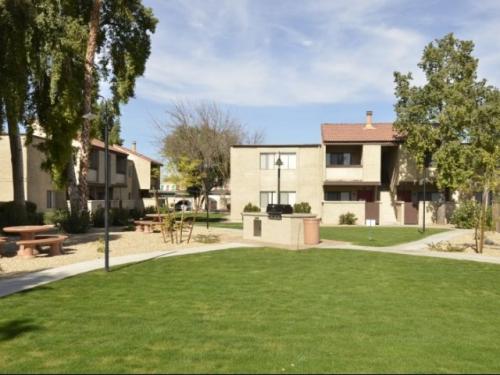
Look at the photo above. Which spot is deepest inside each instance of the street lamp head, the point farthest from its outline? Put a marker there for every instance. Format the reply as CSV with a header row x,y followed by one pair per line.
x,y
89,116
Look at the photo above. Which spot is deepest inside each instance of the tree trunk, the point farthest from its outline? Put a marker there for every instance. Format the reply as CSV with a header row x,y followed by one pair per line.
x,y
16,158
87,103
74,198
484,205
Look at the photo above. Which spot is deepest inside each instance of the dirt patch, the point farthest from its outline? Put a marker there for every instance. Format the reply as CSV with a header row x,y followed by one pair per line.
x,y
84,247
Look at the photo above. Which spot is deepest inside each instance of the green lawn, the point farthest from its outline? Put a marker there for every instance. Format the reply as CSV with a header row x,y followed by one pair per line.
x,y
261,310
215,219
376,236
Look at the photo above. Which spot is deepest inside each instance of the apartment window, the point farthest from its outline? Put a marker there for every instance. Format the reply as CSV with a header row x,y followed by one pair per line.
x,y
121,164
94,159
267,197
130,172
51,199
271,197
339,158
287,197
268,160
338,196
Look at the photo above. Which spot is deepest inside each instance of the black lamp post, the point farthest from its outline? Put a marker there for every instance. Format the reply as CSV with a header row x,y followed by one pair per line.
x,y
107,117
427,162
279,163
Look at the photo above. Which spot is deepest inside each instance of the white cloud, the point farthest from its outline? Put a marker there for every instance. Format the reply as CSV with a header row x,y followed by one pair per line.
x,y
281,52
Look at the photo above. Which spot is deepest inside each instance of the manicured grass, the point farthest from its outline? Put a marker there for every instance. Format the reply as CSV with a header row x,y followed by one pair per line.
x,y
380,236
261,310
215,219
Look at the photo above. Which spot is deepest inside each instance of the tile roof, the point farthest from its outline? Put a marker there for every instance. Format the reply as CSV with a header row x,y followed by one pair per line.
x,y
100,144
132,152
381,132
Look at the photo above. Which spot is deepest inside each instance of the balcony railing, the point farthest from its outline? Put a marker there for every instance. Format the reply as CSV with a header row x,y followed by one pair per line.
x,y
344,173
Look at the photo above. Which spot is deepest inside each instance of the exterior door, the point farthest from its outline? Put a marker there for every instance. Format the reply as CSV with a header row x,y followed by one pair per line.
x,y
411,213
372,211
365,195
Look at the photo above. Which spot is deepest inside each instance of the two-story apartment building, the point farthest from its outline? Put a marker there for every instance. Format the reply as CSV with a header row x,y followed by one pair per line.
x,y
132,176
358,168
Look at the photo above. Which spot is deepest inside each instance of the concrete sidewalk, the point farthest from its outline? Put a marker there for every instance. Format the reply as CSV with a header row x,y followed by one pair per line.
x,y
34,279
420,248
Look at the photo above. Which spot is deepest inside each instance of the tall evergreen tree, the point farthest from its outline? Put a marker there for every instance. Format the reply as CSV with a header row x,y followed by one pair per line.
x,y
16,21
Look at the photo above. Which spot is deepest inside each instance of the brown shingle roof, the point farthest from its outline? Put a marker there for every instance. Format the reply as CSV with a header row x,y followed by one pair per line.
x,y
132,152
100,144
381,132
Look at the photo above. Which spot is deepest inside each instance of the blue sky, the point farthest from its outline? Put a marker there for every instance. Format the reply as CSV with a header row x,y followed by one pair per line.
x,y
284,66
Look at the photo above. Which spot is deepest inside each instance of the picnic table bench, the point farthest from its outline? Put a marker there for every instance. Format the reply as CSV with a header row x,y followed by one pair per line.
x,y
145,226
26,247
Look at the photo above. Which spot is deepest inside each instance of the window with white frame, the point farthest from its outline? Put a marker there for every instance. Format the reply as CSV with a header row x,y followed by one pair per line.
x,y
288,197
268,160
51,199
267,197
271,197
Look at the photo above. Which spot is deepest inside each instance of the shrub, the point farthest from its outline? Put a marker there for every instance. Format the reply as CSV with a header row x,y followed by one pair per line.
x,y
251,208
69,222
119,216
302,208
135,214
348,219
445,246
150,210
12,213
467,214
98,217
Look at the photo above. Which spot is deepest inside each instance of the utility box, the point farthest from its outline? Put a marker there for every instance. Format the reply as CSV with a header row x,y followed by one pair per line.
x,y
257,227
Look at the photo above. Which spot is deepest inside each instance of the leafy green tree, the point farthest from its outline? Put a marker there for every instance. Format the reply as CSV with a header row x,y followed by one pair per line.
x,y
106,112
66,76
453,117
16,29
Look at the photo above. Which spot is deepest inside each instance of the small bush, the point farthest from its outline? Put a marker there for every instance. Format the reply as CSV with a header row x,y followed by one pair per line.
x,y
207,238
467,215
30,207
445,246
119,216
251,208
98,217
12,213
69,222
135,213
150,210
348,219
302,208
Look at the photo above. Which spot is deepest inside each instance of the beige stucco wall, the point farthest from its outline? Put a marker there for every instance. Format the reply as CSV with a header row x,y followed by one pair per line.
x,y
6,188
333,209
37,181
371,161
248,180
388,209
143,171
406,168
288,231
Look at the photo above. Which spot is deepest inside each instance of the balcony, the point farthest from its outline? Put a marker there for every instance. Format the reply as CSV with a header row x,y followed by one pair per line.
x,y
344,173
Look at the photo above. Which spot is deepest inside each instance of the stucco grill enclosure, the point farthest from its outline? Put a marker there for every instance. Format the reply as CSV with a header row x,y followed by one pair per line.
x,y
289,231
